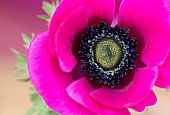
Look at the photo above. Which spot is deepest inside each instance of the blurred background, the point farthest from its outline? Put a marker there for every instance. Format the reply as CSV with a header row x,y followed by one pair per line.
x,y
20,16
16,17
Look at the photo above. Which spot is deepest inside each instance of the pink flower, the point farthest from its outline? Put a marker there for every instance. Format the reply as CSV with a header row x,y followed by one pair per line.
x,y
54,61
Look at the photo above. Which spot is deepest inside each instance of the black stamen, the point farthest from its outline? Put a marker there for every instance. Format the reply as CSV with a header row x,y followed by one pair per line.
x,y
109,40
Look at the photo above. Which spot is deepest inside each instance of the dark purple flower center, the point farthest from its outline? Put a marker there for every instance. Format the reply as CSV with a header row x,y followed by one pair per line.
x,y
107,53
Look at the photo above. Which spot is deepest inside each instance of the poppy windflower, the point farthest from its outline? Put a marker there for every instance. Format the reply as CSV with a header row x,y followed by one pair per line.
x,y
102,57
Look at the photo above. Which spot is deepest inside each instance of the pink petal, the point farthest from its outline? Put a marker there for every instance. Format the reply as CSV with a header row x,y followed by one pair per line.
x,y
117,2
49,81
100,12
148,101
163,80
115,18
155,50
74,24
137,90
80,90
147,21
167,5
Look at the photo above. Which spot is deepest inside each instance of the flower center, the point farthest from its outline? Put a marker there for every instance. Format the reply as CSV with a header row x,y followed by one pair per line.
x,y
107,53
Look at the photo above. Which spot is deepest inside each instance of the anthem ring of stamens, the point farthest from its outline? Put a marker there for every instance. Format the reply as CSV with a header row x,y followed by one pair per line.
x,y
107,53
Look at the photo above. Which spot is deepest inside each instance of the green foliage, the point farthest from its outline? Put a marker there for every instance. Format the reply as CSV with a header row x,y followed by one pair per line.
x,y
39,106
49,9
27,40
21,65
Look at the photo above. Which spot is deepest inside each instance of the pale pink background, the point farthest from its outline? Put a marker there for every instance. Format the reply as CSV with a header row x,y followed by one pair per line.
x,y
16,17
19,16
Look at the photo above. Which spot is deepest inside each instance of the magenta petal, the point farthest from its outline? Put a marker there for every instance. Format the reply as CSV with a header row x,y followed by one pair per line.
x,y
80,90
49,81
115,18
137,90
117,3
155,50
100,11
148,101
147,21
69,28
163,79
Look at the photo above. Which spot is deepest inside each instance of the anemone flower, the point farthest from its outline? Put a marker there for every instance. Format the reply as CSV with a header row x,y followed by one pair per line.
x,y
102,57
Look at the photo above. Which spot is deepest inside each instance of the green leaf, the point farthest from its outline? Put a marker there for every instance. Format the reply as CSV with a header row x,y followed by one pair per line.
x,y
39,106
24,80
32,89
21,64
52,113
18,54
49,9
44,17
27,40
21,73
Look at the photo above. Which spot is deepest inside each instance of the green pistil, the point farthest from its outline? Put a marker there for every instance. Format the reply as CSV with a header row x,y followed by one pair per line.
x,y
108,53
